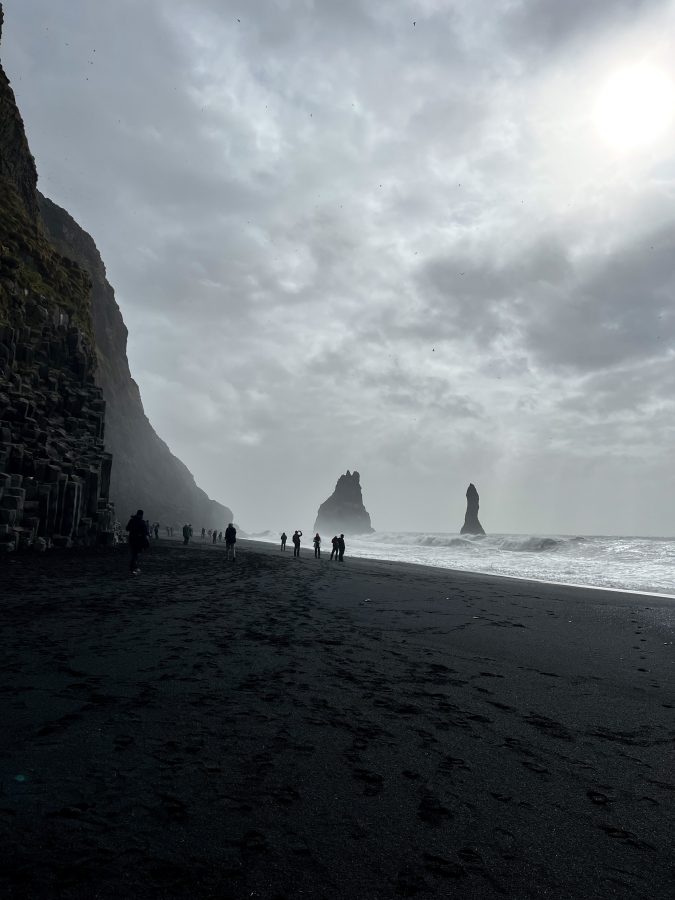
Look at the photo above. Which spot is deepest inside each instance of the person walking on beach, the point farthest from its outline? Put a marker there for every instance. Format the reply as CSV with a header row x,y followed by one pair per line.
x,y
186,535
203,533
139,539
156,530
230,541
296,542
334,551
317,546
341,548
215,535
284,538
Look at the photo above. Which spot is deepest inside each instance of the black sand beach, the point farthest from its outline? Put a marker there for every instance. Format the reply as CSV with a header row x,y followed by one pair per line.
x,y
281,728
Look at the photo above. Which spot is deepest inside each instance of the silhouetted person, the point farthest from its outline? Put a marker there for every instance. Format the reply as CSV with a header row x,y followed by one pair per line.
x,y
334,551
317,546
156,531
296,542
203,533
215,535
230,541
186,535
341,548
138,539
220,536
284,538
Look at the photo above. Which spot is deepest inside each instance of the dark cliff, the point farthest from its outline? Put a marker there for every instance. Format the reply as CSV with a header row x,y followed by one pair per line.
x,y
17,165
62,354
54,471
344,511
145,473
471,524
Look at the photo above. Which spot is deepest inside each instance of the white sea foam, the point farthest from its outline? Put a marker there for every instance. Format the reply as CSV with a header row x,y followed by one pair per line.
x,y
623,563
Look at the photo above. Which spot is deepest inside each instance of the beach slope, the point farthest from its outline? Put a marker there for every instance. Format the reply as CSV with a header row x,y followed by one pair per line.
x,y
282,728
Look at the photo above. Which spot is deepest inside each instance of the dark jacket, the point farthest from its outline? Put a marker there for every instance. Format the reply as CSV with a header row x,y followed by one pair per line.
x,y
138,532
230,535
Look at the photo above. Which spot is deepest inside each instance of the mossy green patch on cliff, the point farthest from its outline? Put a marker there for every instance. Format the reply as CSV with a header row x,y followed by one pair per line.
x,y
29,263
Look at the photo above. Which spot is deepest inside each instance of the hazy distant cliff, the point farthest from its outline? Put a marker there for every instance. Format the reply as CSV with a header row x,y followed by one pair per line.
x,y
67,399
344,510
145,473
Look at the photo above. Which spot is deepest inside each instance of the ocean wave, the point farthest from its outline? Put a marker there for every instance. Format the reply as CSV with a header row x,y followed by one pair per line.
x,y
531,544
512,543
420,540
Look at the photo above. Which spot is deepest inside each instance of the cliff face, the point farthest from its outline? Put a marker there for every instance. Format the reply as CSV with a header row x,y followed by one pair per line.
x,y
344,511
145,473
17,165
471,524
62,351
54,471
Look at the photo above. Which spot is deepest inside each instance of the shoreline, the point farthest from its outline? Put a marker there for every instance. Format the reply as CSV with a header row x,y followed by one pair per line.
x,y
454,571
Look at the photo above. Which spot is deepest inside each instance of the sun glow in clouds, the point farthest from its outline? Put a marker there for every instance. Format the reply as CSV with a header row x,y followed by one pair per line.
x,y
636,107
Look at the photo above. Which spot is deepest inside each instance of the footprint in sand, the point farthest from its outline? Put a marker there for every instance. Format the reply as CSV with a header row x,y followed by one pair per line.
x,y
598,797
445,868
432,811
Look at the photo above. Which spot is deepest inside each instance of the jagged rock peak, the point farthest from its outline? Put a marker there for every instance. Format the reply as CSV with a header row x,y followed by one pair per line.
x,y
344,512
471,524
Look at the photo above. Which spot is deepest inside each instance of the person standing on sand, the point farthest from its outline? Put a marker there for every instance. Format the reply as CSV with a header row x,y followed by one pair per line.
x,y
317,546
296,542
203,533
186,535
138,539
230,541
284,538
334,551
341,548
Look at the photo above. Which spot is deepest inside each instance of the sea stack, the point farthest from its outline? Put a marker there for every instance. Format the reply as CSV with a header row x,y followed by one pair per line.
x,y
471,524
344,512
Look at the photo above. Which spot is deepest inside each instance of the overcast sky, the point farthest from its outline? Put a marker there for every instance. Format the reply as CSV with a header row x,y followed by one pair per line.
x,y
429,240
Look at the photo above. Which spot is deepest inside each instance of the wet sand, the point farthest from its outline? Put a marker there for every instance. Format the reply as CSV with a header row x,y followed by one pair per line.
x,y
281,728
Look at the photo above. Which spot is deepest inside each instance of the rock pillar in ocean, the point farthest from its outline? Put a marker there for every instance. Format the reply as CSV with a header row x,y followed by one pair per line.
x,y
344,511
471,524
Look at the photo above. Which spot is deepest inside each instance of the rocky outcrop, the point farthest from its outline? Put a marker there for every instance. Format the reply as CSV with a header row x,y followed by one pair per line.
x,y
344,511
54,471
471,524
146,474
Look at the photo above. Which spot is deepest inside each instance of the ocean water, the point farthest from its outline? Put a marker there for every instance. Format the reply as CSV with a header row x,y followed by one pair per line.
x,y
624,563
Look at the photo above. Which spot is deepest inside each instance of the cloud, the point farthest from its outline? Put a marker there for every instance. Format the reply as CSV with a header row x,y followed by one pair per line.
x,y
343,240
